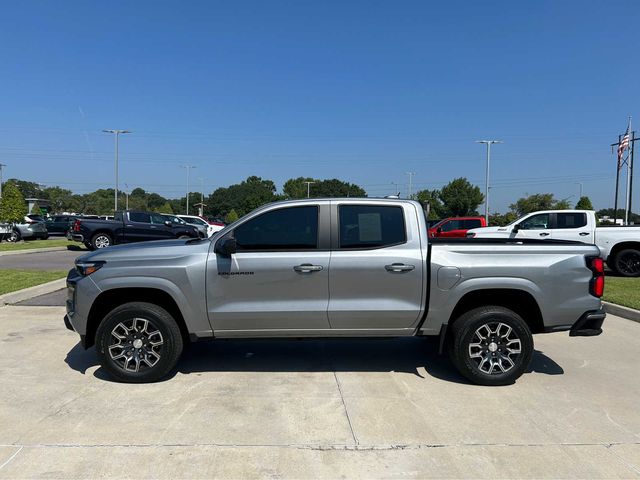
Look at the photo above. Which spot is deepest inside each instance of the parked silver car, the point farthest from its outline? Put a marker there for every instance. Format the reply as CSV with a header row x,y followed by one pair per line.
x,y
33,226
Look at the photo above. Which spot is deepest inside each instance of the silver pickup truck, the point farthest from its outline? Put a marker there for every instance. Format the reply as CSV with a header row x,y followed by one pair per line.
x,y
334,268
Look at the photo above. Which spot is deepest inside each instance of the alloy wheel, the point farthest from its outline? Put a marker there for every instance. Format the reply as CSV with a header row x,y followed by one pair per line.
x,y
629,263
102,241
136,344
495,348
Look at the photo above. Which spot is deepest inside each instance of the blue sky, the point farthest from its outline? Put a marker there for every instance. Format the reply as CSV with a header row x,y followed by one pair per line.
x,y
359,90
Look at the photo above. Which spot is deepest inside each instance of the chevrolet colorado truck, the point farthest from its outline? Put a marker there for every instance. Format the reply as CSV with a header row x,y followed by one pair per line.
x,y
619,246
127,227
333,268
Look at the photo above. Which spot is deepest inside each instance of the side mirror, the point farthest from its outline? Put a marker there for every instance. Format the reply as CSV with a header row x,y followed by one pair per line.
x,y
226,247
167,223
516,228
439,230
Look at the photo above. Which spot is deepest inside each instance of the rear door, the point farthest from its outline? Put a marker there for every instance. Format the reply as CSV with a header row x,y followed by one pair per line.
x,y
376,269
279,277
572,226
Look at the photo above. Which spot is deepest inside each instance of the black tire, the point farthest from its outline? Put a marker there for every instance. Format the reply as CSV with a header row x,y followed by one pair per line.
x,y
504,366
14,236
46,237
134,314
626,262
101,240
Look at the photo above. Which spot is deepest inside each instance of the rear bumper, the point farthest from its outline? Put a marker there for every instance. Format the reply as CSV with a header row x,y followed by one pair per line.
x,y
76,237
588,325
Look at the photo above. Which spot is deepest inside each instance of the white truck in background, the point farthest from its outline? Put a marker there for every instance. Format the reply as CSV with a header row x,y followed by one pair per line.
x,y
619,246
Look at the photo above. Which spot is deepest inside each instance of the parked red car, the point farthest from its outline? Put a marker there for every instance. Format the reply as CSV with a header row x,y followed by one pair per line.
x,y
456,226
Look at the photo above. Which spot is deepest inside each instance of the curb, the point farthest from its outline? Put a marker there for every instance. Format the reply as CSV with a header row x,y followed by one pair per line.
x,y
31,292
32,250
620,311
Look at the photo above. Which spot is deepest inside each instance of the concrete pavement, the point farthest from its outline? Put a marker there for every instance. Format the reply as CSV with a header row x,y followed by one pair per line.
x,y
52,260
385,408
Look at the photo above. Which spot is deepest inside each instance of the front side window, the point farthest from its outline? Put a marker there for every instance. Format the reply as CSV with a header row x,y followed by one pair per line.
x,y
536,222
158,219
572,220
293,228
371,226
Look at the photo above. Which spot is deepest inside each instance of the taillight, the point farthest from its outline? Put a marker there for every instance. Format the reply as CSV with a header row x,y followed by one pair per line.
x,y
596,286
76,226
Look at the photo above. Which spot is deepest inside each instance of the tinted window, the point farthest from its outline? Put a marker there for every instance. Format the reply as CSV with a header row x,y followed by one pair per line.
x,y
537,222
140,217
196,221
158,219
452,225
471,223
371,226
571,220
294,228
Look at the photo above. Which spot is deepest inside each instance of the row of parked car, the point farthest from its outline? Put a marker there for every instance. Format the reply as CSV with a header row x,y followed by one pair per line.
x,y
39,227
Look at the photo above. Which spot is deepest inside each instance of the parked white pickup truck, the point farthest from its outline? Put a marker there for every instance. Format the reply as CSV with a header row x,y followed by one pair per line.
x,y
619,246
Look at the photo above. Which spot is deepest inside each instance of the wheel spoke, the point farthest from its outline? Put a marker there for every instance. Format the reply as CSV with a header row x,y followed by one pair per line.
x,y
494,348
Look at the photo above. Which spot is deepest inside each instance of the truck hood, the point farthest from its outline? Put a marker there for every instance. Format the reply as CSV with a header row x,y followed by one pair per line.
x,y
147,250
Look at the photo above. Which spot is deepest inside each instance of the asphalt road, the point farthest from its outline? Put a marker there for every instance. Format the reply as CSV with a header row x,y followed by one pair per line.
x,y
57,260
376,408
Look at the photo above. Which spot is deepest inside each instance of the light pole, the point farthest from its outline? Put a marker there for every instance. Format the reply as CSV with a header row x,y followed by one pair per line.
x,y
486,187
396,190
411,174
309,188
1,165
188,167
126,196
117,135
579,183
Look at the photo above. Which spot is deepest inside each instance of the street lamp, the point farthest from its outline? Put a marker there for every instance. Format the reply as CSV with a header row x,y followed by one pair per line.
x,y
117,134
1,165
188,167
309,188
579,183
486,187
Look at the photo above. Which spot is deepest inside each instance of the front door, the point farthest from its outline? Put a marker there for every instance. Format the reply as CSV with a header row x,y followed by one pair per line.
x,y
376,271
536,226
279,277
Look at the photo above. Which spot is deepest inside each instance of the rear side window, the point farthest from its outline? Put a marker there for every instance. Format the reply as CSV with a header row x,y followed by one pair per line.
x,y
471,223
571,220
140,217
293,228
371,226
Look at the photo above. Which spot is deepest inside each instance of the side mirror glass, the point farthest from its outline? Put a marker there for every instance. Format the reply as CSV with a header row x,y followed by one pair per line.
x,y
516,228
226,246
167,223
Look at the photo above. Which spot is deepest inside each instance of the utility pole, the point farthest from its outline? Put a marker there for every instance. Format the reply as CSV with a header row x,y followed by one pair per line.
x,y
188,167
126,196
117,134
309,188
579,183
411,174
1,165
629,162
396,190
486,186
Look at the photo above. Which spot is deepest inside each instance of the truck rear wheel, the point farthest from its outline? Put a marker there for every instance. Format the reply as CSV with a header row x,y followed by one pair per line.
x,y
138,342
627,262
101,240
491,345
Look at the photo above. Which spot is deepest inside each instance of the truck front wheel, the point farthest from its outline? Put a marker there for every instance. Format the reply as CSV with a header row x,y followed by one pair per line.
x,y
491,345
138,342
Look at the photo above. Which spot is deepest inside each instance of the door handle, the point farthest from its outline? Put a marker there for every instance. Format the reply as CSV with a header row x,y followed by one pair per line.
x,y
307,267
544,234
399,267
582,234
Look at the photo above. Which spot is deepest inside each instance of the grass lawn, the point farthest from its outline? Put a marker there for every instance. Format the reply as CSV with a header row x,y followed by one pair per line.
x,y
623,291
30,244
12,280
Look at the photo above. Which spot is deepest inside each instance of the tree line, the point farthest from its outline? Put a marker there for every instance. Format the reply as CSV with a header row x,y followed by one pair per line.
x,y
458,198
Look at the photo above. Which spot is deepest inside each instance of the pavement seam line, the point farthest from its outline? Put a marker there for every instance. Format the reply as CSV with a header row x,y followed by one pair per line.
x,y
346,411
12,457
624,462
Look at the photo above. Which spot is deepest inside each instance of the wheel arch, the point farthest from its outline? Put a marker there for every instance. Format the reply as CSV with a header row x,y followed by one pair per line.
x,y
519,301
113,298
622,246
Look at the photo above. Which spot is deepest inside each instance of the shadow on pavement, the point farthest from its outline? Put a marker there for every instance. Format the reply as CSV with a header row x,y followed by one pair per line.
x,y
406,355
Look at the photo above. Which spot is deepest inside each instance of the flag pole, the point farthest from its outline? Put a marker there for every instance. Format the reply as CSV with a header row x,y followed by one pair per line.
x,y
628,199
615,203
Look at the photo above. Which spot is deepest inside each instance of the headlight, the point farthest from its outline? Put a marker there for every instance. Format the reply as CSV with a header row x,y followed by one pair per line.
x,y
87,268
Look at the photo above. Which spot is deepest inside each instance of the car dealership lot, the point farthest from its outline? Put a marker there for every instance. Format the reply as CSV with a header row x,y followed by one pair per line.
x,y
319,408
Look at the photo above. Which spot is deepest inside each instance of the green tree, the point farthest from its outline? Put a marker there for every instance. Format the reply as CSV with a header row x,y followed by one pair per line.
x,y
12,205
537,202
231,217
297,188
60,199
242,197
584,204
499,220
27,189
432,197
460,198
336,188
166,208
